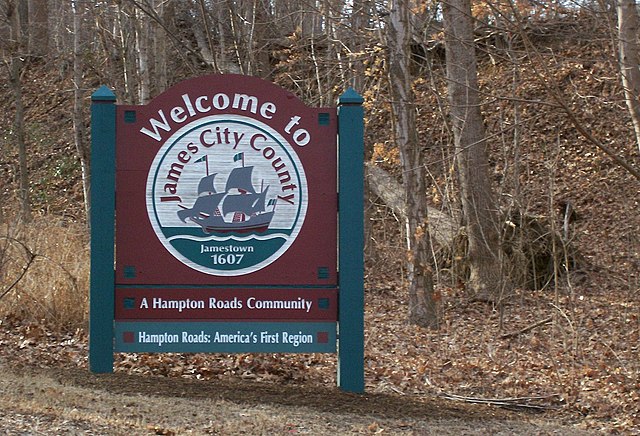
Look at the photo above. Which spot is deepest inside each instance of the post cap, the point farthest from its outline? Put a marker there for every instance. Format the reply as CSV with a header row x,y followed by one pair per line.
x,y
103,94
350,96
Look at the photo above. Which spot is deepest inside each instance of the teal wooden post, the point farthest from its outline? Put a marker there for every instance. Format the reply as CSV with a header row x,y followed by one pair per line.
x,y
351,242
102,214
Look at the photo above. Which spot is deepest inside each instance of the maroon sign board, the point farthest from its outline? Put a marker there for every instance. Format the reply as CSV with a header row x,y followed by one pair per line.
x,y
226,213
226,180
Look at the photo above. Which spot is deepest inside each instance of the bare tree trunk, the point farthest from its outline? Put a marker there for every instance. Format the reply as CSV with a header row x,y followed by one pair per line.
x,y
128,64
16,86
334,66
630,59
359,21
16,46
251,22
264,35
236,36
223,37
202,33
38,27
260,39
79,133
309,19
316,67
422,306
142,47
478,204
159,38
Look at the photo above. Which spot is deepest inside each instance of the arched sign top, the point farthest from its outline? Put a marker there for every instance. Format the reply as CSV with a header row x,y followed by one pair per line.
x,y
226,82
225,94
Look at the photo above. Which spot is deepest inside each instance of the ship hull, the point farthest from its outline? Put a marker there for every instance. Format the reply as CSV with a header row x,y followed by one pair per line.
x,y
255,224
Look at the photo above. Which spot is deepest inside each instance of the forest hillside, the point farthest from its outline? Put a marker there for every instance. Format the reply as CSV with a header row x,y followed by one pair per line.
x,y
564,342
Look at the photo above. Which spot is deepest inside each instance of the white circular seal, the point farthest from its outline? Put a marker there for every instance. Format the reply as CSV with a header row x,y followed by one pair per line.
x,y
226,195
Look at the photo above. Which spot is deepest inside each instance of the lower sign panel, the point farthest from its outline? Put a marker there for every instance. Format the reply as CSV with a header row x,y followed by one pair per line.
x,y
225,337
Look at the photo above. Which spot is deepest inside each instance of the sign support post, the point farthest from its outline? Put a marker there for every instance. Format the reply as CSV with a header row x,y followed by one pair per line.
x,y
102,213
351,242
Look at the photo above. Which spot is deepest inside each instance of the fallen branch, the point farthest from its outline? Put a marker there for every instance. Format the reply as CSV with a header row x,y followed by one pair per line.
x,y
526,329
442,227
518,403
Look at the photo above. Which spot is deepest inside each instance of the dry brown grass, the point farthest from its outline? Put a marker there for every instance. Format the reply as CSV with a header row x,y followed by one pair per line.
x,y
44,267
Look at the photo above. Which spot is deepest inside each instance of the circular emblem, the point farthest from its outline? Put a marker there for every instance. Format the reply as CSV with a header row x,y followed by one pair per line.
x,y
226,195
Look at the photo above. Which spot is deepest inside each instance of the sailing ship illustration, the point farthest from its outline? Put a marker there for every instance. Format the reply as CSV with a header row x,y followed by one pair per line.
x,y
240,201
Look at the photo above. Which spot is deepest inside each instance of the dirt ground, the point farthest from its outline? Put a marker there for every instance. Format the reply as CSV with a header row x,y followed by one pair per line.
x,y
74,401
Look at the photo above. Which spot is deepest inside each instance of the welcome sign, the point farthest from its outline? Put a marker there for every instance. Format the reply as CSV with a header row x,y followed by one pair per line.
x,y
226,219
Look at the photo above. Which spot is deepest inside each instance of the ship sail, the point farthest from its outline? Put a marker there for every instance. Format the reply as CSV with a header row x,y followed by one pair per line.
x,y
240,178
204,206
206,184
249,204
259,205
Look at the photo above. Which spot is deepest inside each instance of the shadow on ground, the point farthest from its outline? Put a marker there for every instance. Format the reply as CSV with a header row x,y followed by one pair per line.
x,y
252,393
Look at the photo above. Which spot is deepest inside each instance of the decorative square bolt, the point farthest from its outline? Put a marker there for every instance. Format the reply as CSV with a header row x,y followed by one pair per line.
x,y
323,303
129,117
323,272
129,272
324,119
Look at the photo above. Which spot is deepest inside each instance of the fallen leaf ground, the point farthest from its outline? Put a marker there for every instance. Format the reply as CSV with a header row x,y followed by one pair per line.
x,y
578,372
73,401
